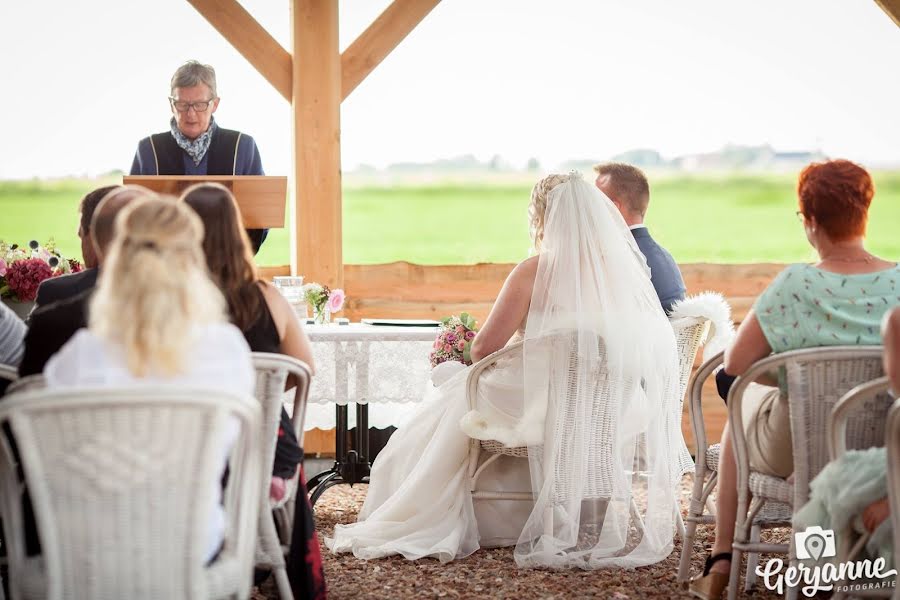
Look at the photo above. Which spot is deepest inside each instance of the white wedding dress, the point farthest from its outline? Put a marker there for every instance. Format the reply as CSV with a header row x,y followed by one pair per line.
x,y
598,415
418,503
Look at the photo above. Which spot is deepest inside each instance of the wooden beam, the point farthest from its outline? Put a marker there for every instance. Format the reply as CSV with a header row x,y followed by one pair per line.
x,y
382,36
316,251
892,8
250,39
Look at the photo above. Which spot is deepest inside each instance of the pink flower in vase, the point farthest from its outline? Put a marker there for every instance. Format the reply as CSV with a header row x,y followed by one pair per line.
x,y
335,301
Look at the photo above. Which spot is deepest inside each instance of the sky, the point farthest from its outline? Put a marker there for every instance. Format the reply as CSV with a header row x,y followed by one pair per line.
x,y
568,79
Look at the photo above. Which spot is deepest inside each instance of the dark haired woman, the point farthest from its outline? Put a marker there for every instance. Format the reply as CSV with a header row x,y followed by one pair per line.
x,y
806,306
269,325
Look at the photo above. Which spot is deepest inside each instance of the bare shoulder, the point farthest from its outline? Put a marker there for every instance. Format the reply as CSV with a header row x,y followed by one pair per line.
x,y
526,268
525,272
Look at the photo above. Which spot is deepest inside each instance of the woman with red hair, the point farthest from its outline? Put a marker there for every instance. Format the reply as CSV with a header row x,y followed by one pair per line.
x,y
839,300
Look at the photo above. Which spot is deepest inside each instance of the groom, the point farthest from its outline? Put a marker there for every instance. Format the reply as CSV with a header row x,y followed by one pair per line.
x,y
629,190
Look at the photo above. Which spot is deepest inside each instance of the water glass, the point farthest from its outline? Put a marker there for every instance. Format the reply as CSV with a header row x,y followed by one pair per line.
x,y
291,287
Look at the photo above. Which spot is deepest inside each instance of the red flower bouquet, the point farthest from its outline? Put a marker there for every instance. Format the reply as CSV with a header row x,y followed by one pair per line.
x,y
23,269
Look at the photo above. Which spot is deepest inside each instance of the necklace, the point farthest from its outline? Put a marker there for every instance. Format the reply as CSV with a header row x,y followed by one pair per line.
x,y
866,259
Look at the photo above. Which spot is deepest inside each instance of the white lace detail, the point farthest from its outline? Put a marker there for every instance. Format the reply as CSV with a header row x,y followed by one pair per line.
x,y
387,366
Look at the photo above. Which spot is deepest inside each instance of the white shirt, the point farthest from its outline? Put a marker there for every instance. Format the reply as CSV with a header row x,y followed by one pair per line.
x,y
638,226
219,358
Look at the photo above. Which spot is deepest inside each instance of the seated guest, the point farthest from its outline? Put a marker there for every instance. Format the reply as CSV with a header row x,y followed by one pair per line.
x,y
629,191
269,324
60,288
12,334
156,318
52,325
856,483
840,300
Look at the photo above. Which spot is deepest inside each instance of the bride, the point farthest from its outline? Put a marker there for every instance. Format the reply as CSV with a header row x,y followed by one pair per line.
x,y
592,393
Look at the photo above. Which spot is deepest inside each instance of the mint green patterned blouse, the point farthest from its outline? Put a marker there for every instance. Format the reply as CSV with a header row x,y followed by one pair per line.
x,y
805,307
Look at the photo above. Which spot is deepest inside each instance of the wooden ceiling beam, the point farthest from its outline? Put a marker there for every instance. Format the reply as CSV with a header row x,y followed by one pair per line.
x,y
250,39
892,8
379,39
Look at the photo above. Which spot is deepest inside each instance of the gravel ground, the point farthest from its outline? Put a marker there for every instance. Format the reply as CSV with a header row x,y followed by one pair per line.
x,y
488,573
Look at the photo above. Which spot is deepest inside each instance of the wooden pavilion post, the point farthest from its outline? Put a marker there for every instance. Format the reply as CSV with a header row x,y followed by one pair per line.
x,y
316,251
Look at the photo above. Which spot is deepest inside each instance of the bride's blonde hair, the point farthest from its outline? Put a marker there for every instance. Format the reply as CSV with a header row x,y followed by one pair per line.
x,y
537,208
154,286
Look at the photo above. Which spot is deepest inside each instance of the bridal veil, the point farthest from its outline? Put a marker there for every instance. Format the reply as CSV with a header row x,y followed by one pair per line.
x,y
600,355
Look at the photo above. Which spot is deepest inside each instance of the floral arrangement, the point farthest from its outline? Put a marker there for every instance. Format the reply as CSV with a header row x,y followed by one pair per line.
x,y
324,300
23,269
454,340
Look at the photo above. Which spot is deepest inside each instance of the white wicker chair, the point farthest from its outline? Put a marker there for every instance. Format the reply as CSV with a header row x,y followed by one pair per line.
x,y
120,482
892,441
816,379
27,384
706,471
846,429
276,520
689,334
8,372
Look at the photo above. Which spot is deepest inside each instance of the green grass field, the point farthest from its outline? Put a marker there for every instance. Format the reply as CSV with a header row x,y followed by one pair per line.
x,y
708,218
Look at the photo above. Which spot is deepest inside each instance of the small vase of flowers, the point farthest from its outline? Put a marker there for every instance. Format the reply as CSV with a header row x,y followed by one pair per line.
x,y
23,268
324,301
454,340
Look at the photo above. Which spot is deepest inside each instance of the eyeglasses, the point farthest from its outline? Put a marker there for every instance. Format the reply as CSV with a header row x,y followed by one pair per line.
x,y
199,107
800,216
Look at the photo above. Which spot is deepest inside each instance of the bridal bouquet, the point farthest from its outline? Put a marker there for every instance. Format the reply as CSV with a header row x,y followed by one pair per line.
x,y
23,269
454,340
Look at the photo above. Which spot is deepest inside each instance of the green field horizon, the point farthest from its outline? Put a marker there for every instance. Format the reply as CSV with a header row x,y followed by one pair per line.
x,y
717,218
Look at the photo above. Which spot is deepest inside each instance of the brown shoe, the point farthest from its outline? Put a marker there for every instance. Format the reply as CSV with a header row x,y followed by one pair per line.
x,y
710,585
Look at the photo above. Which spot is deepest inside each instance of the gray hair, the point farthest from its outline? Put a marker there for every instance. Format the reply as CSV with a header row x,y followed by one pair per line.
x,y
194,73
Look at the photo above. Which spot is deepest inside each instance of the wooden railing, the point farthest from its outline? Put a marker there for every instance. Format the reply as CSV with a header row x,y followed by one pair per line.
x,y
406,290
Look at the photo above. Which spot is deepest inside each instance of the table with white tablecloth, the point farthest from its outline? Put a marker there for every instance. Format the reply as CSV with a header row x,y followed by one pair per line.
x,y
385,368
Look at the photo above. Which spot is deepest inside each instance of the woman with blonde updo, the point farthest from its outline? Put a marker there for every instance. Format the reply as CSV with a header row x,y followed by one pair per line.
x,y
156,318
586,282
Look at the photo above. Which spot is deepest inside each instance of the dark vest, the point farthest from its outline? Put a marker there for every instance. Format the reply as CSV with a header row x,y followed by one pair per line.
x,y
220,156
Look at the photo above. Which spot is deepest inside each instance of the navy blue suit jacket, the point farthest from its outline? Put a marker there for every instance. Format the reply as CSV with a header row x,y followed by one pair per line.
x,y
664,273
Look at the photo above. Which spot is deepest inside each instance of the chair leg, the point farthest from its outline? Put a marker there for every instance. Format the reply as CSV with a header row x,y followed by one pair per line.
x,y
635,513
752,560
710,505
284,585
687,547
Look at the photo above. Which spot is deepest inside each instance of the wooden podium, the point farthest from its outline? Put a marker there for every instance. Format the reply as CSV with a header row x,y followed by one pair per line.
x,y
261,199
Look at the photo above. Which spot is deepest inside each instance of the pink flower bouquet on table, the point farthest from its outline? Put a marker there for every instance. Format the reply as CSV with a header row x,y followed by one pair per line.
x,y
23,269
324,301
454,340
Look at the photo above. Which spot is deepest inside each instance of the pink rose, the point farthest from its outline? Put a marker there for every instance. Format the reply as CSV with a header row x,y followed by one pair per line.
x,y
336,300
460,330
447,347
470,335
461,345
451,338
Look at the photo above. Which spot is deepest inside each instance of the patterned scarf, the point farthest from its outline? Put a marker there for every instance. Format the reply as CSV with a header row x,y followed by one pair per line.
x,y
196,149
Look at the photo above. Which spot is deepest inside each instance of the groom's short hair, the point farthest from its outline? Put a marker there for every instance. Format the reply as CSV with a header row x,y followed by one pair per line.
x,y
628,184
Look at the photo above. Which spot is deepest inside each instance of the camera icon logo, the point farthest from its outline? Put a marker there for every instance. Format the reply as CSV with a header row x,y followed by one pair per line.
x,y
815,543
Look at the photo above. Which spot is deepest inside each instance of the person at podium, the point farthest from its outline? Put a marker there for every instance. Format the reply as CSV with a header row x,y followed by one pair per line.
x,y
194,143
